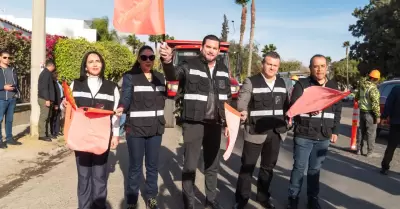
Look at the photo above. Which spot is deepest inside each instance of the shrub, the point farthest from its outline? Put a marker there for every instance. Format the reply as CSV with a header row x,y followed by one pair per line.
x,y
20,48
69,53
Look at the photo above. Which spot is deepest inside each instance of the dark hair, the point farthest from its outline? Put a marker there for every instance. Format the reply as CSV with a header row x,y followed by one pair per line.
x,y
271,54
83,74
4,51
211,37
316,56
49,62
137,64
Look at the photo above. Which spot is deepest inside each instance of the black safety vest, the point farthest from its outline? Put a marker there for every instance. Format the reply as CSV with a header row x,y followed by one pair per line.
x,y
266,107
146,111
197,88
319,126
103,99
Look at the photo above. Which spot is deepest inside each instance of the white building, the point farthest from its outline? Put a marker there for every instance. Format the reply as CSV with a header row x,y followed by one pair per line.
x,y
70,28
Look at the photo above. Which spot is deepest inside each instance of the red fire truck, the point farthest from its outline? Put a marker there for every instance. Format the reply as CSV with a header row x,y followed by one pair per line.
x,y
183,49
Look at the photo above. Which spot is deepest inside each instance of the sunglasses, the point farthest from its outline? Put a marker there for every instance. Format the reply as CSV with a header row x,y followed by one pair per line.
x,y
6,58
144,57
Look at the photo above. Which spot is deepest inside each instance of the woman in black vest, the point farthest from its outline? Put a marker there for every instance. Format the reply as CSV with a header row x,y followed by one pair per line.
x,y
93,90
143,99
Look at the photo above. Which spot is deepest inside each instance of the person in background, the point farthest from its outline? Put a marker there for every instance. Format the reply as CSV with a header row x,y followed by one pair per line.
x,y
123,116
391,112
46,100
143,100
93,90
313,133
8,98
55,125
370,114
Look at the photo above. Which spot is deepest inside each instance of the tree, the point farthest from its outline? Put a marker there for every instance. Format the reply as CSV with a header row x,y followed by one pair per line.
x,y
291,65
346,45
225,29
328,59
134,42
377,25
340,72
103,34
234,55
159,38
253,22
243,18
268,48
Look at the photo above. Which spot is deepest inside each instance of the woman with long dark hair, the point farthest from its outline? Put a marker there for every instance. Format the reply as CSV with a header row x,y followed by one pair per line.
x,y
143,100
93,90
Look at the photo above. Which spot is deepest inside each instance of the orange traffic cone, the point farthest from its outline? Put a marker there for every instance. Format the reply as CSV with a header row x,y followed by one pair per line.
x,y
353,139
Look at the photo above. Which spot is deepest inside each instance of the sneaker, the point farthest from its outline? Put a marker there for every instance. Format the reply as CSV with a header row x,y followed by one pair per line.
x,y
384,171
358,152
3,145
293,203
13,142
152,203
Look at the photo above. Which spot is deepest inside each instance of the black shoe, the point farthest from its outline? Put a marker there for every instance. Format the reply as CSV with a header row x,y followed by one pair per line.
x,y
3,145
45,138
313,203
213,205
384,171
54,136
132,206
268,205
293,203
152,203
13,142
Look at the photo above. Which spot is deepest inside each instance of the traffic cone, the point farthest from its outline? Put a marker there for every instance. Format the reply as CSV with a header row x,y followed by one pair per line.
x,y
353,139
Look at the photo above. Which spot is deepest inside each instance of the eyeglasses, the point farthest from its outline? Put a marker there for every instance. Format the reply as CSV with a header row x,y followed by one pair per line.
x,y
6,58
144,57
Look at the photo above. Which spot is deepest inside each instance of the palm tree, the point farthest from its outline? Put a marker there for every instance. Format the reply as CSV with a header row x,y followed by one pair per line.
x,y
134,42
253,22
268,48
346,45
103,34
242,3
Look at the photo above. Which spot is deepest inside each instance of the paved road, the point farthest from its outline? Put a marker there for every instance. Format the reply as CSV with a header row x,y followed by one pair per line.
x,y
347,181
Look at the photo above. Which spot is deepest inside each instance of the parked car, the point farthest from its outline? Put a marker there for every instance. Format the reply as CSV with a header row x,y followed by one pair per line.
x,y
384,89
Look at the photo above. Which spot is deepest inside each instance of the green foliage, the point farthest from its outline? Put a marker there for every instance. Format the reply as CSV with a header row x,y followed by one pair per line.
x,y
268,48
340,72
134,42
103,34
20,48
225,29
378,26
159,38
291,65
234,50
69,54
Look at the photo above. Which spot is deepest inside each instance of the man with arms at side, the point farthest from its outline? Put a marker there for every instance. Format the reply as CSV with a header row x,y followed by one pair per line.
x,y
263,103
46,99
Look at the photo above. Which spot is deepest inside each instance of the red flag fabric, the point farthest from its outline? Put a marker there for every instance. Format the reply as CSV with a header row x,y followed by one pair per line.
x,y
143,17
316,98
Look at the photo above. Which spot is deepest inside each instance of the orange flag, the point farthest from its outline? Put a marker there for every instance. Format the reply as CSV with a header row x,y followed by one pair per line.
x,y
143,17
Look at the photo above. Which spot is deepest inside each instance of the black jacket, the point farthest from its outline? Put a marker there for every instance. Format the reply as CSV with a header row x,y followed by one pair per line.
x,y
46,88
203,94
392,110
315,128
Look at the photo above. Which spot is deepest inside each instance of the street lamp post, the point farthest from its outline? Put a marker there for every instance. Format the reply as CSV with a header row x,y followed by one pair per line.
x,y
38,56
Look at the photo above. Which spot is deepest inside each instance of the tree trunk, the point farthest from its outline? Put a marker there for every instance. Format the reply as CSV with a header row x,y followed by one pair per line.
x,y
243,25
253,22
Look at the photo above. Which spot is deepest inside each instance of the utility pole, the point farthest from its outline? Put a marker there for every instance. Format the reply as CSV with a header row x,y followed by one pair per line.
x,y
347,67
38,56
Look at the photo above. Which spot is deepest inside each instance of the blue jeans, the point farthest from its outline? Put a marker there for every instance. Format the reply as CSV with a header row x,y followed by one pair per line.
x,y
313,152
7,108
139,147
122,124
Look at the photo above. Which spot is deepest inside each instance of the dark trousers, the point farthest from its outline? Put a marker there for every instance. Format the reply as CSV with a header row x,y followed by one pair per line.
x,y
55,125
139,147
196,135
314,153
7,108
394,141
367,131
269,156
92,180
44,118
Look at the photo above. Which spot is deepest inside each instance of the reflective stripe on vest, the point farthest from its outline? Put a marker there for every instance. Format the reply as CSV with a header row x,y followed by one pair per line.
x,y
138,114
89,95
267,90
198,97
148,88
266,112
326,115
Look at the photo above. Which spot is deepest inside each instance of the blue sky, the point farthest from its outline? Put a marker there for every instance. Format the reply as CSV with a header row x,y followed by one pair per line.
x,y
299,28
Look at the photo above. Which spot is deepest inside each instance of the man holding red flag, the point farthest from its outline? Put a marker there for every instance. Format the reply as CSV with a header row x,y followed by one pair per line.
x,y
312,135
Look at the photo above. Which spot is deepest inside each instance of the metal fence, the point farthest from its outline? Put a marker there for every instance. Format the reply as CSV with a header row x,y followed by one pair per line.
x,y
24,87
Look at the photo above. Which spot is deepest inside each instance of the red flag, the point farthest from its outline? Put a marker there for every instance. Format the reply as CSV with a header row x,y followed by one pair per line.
x,y
316,98
143,17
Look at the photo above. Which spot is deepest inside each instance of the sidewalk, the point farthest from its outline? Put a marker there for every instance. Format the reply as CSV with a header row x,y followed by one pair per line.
x,y
20,160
